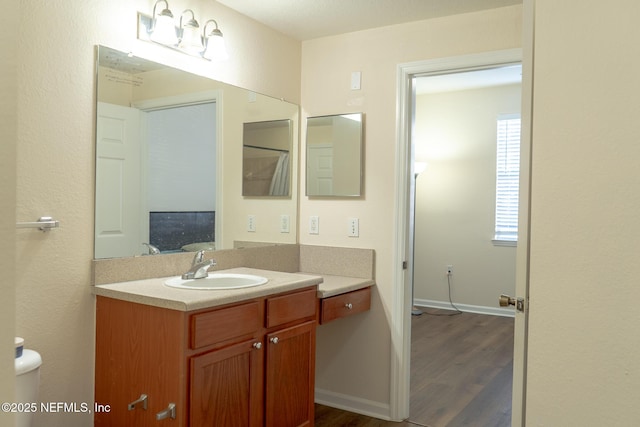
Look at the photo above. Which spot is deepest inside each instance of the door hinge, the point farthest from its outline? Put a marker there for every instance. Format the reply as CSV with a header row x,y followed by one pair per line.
x,y
405,265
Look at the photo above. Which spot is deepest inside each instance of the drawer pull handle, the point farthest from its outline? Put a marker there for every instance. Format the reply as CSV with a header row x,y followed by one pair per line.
x,y
274,340
349,306
142,399
257,345
170,412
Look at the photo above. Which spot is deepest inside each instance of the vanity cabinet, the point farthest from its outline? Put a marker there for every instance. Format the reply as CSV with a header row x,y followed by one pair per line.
x,y
226,386
247,364
346,304
290,371
138,351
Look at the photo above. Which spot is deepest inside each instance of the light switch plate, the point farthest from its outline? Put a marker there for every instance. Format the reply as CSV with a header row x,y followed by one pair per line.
x,y
314,225
284,223
353,229
356,78
251,223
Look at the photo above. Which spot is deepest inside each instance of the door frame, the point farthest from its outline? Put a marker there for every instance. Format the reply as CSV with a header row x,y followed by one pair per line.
x,y
403,259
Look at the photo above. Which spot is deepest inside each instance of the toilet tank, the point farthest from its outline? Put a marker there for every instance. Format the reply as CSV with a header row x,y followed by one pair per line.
x,y
27,382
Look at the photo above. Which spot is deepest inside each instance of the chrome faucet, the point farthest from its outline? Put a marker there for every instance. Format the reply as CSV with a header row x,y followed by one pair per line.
x,y
152,249
199,267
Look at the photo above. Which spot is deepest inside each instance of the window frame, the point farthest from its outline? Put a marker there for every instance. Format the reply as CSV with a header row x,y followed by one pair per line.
x,y
507,179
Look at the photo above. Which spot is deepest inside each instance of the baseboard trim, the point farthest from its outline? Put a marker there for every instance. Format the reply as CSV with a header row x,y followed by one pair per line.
x,y
349,403
479,309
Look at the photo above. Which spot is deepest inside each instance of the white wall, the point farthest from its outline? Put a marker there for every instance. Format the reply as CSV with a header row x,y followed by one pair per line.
x,y
583,365
55,165
8,137
455,134
356,365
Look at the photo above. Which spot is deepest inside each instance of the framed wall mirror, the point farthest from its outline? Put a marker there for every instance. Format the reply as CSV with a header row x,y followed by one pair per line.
x,y
266,159
334,155
169,152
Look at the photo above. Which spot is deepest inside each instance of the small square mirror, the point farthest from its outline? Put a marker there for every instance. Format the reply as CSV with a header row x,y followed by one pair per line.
x,y
334,155
266,162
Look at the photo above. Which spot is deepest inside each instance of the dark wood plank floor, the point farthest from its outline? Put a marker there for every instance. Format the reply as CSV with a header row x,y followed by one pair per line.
x,y
461,374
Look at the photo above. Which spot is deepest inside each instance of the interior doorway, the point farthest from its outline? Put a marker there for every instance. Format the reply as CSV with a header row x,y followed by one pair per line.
x,y
406,198
460,261
468,187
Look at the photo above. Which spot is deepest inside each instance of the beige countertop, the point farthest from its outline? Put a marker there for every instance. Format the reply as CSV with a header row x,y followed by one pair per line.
x,y
335,285
154,292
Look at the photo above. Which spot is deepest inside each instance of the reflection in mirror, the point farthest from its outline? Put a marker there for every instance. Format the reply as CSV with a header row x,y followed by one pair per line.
x,y
181,154
266,148
334,155
161,134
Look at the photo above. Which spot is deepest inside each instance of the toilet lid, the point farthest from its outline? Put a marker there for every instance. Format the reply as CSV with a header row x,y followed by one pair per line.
x,y
29,361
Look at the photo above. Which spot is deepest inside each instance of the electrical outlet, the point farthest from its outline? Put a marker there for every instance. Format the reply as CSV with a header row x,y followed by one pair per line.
x,y
353,227
314,225
251,223
284,223
449,270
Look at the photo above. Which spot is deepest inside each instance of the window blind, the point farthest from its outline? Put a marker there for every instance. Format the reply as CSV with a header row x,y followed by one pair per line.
x,y
507,177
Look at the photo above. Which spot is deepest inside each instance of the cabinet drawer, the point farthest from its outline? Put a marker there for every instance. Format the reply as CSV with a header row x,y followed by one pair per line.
x,y
224,324
345,305
287,308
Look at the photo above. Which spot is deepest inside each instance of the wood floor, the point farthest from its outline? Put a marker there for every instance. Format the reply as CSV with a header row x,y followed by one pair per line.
x,y
461,374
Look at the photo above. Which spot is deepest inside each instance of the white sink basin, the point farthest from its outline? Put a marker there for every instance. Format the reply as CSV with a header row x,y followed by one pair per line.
x,y
218,281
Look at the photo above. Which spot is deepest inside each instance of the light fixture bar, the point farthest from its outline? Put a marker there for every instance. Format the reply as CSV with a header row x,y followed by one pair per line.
x,y
208,45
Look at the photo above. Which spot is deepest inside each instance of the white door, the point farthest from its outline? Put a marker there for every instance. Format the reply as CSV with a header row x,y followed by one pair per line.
x,y
518,410
320,167
118,182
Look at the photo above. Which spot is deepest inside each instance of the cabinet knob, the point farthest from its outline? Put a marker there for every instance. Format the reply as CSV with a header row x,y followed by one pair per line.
x,y
257,345
274,340
170,412
349,306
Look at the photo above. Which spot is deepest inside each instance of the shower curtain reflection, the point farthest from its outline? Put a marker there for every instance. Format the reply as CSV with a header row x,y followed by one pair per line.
x,y
265,171
280,180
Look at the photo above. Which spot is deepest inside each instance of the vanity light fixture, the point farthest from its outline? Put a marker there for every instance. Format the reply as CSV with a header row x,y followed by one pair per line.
x,y
163,30
214,43
186,38
190,39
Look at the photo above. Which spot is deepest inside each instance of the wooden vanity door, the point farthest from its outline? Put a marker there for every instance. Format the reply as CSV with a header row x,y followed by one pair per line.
x,y
290,371
138,350
226,387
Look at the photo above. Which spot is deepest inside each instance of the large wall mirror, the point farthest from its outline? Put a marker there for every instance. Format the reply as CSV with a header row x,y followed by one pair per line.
x,y
169,160
334,155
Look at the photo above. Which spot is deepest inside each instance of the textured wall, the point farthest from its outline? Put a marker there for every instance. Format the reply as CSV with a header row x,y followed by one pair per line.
x,y
8,136
55,166
583,330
